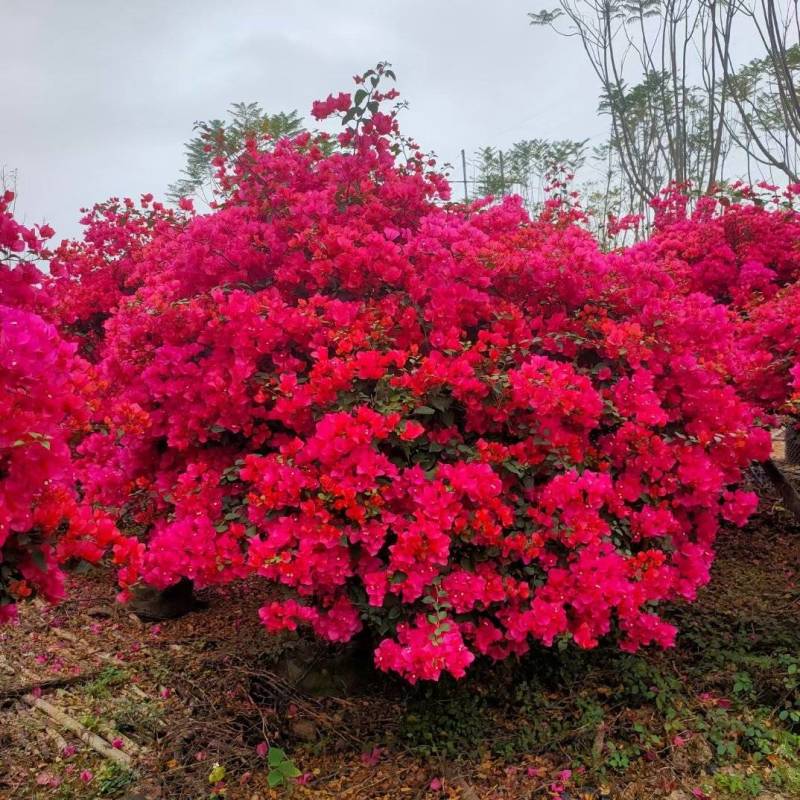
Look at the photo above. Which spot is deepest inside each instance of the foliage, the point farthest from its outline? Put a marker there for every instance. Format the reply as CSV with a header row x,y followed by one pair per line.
x,y
459,428
632,714
680,104
113,779
220,139
524,168
281,769
42,386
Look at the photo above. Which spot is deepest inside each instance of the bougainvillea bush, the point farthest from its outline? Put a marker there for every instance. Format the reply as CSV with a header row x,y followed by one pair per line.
x,y
741,247
451,427
43,390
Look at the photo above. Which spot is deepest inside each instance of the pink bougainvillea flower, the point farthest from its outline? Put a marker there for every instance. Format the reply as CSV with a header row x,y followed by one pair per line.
x,y
372,757
465,428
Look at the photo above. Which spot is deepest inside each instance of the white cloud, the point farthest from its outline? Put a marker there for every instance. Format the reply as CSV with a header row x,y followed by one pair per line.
x,y
102,95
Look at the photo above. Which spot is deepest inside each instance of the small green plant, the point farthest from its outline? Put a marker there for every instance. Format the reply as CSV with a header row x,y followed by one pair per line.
x,y
445,721
790,712
787,778
113,779
739,786
281,768
743,684
138,717
90,721
620,756
108,678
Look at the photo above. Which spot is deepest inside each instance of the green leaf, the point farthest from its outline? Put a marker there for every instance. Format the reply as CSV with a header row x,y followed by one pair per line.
x,y
38,559
289,770
276,756
424,411
359,96
514,467
275,778
82,568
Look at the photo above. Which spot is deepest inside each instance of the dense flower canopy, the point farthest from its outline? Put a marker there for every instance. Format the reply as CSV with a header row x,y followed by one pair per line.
x,y
454,426
42,390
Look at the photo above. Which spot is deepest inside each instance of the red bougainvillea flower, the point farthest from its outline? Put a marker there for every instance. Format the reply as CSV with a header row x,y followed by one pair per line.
x,y
459,428
42,386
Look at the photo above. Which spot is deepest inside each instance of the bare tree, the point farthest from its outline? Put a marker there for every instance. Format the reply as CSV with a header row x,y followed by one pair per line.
x,y
679,106
664,128
765,90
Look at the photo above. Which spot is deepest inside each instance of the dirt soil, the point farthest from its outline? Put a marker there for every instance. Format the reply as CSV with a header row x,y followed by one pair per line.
x,y
199,707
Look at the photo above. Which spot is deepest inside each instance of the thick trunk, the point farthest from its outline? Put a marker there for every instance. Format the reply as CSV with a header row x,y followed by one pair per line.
x,y
792,442
789,495
174,601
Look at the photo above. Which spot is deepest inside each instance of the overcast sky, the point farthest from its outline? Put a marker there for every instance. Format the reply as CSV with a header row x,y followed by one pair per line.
x,y
99,96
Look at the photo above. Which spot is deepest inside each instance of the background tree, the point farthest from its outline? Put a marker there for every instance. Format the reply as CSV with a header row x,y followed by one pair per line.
x,y
225,139
764,91
680,109
522,168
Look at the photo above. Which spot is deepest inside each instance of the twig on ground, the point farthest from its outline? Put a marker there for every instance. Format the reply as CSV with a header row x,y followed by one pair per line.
x,y
467,792
60,741
54,683
84,734
71,637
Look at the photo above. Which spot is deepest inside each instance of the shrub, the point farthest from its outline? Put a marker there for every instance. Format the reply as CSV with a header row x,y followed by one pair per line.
x,y
41,391
459,427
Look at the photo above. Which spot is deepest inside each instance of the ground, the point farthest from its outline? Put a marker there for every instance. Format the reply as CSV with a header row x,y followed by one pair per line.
x,y
193,706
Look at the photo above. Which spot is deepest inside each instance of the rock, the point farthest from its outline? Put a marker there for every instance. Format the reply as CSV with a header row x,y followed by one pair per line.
x,y
304,729
100,612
